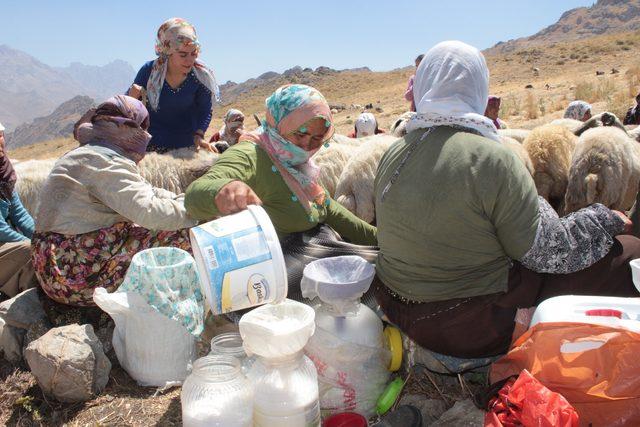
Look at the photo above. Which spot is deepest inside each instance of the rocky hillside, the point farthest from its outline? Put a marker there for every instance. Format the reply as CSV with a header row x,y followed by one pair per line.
x,y
604,17
58,124
30,88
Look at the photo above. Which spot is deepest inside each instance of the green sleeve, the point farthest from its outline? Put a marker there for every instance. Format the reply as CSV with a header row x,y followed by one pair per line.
x,y
233,165
515,210
349,226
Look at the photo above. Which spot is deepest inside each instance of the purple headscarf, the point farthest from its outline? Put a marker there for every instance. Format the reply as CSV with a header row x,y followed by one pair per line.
x,y
120,122
7,174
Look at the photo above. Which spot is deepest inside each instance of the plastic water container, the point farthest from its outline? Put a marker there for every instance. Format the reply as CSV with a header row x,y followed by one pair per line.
x,y
285,381
239,261
596,310
635,272
348,347
216,394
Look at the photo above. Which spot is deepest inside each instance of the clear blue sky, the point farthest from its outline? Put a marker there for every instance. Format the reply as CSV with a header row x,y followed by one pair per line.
x,y
242,39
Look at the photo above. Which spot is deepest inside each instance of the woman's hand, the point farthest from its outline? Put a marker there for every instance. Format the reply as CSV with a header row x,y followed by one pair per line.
x,y
234,197
135,91
628,225
199,142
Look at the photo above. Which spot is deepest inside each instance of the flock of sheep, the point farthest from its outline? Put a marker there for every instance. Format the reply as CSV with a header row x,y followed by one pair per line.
x,y
573,164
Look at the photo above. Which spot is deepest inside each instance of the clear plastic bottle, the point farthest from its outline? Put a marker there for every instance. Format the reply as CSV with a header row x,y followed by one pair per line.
x,y
216,393
285,381
230,344
348,345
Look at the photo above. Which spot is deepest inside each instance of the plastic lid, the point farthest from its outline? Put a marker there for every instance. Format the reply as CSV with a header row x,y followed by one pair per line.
x,y
340,281
276,330
345,419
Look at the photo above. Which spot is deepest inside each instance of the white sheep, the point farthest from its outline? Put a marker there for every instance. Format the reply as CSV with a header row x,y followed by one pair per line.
x,y
519,151
605,169
550,148
571,124
399,127
173,171
355,187
517,134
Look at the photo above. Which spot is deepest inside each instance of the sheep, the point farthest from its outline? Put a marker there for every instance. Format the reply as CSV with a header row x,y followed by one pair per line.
x,y
605,169
355,187
550,148
517,134
399,127
634,132
331,161
602,119
570,124
173,171
31,176
519,151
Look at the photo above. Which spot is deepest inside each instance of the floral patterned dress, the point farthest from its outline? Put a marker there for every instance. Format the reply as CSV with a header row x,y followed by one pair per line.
x,y
70,267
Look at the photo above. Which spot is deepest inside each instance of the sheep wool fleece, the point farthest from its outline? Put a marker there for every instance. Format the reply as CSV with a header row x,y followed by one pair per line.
x,y
249,163
461,207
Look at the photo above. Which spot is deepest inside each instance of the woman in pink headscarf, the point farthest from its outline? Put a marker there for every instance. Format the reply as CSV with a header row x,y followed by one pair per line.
x,y
100,211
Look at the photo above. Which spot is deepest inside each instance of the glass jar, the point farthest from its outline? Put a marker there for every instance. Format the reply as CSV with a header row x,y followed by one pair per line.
x,y
230,344
216,393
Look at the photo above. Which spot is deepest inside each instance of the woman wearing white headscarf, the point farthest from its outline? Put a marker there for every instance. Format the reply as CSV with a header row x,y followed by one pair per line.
x,y
578,110
464,236
365,125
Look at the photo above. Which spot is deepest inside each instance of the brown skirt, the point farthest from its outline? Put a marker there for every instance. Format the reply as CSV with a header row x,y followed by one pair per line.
x,y
482,326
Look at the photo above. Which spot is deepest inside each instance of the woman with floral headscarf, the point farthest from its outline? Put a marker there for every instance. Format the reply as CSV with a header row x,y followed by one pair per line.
x,y
273,167
100,211
178,89
578,110
230,131
464,239
16,228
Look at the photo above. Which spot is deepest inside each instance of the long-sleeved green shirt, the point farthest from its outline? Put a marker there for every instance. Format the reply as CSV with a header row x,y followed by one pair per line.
x,y
449,223
250,164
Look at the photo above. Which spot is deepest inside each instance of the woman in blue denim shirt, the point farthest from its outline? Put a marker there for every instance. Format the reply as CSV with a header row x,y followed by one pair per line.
x,y
16,228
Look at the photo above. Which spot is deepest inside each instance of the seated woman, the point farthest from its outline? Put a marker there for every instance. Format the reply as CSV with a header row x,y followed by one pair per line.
x,y
578,110
464,239
272,166
177,88
366,125
100,211
16,228
230,131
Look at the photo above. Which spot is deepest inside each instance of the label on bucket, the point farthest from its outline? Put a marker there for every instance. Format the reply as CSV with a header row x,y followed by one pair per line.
x,y
235,263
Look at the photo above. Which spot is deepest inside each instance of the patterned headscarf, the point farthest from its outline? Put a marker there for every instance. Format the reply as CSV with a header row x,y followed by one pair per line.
x,y
7,174
576,110
493,101
121,122
289,109
451,88
173,34
232,127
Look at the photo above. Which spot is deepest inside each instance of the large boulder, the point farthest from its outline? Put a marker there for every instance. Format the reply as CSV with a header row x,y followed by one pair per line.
x,y
69,363
23,309
10,342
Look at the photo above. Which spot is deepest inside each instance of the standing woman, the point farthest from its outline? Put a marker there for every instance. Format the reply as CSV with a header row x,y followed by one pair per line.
x,y
16,228
178,90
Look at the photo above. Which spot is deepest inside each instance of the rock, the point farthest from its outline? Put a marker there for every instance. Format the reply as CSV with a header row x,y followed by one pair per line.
x,y
35,331
11,342
599,73
69,363
379,110
324,70
334,111
23,309
529,86
463,414
431,409
295,71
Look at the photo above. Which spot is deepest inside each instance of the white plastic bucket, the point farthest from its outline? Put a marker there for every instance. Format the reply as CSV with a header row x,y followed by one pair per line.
x,y
239,261
595,310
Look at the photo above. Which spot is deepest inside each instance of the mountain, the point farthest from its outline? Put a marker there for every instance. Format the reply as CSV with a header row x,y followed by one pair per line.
x,y
101,82
58,124
604,17
30,88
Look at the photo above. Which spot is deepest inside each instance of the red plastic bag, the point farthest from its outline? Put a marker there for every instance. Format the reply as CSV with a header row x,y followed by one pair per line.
x,y
526,401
